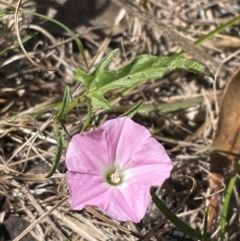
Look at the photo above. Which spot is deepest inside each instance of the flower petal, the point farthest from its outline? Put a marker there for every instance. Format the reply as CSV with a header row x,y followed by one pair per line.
x,y
124,203
136,151
88,152
125,138
129,202
150,165
88,190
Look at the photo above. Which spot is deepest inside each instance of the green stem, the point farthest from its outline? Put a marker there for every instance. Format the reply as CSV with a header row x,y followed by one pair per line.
x,y
89,113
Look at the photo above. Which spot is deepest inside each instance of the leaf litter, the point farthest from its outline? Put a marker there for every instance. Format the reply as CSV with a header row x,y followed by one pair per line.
x,y
28,145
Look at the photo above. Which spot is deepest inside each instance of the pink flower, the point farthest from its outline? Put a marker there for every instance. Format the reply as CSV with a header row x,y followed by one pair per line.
x,y
113,168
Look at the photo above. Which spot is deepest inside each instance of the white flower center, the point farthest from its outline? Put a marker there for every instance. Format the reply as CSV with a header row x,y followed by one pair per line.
x,y
115,178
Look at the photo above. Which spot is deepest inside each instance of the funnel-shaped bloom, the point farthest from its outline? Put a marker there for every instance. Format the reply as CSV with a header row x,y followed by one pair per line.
x,y
113,168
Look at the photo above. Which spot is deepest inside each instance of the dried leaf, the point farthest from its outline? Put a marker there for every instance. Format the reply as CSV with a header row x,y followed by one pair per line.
x,y
227,139
226,136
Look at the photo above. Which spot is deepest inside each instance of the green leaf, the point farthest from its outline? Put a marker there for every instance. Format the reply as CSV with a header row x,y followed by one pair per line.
x,y
98,101
142,68
58,152
95,78
134,110
65,104
177,221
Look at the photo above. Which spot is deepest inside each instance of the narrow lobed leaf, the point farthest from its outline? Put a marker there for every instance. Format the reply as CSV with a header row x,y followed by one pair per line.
x,y
89,80
142,68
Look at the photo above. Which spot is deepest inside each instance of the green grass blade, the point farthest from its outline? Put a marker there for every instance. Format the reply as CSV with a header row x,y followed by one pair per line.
x,y
172,107
75,37
16,44
217,30
212,33
177,221
223,220
134,110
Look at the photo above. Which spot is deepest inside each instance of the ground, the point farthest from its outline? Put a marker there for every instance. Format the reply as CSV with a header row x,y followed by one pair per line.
x,y
181,109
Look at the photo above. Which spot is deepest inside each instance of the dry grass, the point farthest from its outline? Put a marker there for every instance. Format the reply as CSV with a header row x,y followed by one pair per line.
x,y
33,207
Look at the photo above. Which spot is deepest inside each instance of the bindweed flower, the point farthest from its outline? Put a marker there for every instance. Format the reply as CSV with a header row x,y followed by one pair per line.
x,y
113,168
